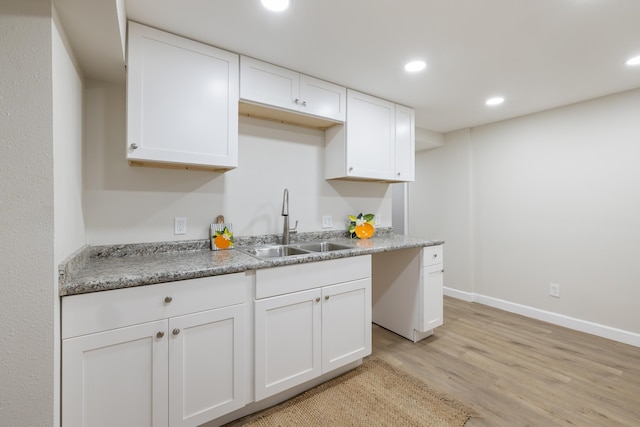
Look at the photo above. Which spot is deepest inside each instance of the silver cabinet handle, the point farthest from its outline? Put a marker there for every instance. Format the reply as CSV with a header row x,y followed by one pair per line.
x,y
435,255
304,103
133,146
318,299
176,331
159,334
326,297
297,101
351,169
167,300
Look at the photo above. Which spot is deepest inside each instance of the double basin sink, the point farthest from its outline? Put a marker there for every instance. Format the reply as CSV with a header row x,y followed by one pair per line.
x,y
294,249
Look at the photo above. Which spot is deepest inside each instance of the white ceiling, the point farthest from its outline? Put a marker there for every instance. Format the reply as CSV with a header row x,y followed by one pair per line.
x,y
538,54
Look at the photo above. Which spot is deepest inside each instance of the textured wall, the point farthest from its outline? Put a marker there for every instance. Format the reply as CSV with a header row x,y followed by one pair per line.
x,y
27,272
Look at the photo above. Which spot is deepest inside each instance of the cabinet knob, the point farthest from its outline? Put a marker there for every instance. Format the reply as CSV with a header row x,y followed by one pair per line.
x,y
304,103
318,299
176,331
351,169
167,300
435,255
160,334
297,101
399,174
133,146
326,297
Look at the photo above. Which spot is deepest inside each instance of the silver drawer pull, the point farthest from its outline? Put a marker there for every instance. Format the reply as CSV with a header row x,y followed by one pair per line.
x,y
167,300
318,299
326,297
176,331
160,334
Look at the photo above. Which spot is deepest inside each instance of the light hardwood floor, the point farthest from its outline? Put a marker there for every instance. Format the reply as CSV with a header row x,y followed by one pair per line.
x,y
515,371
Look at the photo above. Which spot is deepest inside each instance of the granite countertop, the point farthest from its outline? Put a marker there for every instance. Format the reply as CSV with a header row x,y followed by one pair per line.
x,y
101,268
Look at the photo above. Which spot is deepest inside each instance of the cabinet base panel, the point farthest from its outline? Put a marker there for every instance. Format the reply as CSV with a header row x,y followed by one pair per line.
x,y
254,407
206,168
413,335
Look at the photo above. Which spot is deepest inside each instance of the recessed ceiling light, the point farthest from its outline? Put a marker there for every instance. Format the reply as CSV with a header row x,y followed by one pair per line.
x,y
633,61
276,5
415,66
497,100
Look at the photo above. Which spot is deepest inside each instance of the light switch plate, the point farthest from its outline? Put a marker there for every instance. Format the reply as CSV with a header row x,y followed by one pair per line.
x,y
327,221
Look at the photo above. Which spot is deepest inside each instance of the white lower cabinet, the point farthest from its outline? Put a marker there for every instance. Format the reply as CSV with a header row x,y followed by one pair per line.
x,y
408,291
432,314
309,320
116,378
183,366
206,365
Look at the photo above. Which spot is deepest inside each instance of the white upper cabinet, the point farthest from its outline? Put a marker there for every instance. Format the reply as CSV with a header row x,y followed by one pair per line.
x,y
322,99
279,88
376,143
182,101
405,144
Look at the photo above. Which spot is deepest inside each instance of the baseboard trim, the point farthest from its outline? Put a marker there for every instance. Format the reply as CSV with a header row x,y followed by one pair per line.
x,y
597,329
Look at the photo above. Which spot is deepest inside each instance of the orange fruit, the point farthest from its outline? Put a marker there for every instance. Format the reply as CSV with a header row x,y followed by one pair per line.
x,y
221,242
364,231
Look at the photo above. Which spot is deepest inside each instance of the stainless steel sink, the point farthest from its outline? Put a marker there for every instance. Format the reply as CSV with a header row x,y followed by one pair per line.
x,y
275,251
295,249
322,246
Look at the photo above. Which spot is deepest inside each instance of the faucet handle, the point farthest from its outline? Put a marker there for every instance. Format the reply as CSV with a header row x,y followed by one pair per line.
x,y
294,229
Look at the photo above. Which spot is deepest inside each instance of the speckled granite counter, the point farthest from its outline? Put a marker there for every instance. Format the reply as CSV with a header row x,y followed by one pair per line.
x,y
102,268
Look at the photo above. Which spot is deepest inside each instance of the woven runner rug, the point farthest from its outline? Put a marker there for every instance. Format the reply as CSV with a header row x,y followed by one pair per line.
x,y
373,394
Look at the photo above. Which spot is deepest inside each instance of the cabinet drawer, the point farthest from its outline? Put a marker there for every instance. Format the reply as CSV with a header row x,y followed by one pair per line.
x,y
432,255
99,311
299,277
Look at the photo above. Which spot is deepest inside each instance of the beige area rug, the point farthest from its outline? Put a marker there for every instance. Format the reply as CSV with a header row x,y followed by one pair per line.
x,y
373,394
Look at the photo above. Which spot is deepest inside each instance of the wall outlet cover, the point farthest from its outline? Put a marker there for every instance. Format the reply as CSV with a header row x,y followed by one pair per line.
x,y
180,225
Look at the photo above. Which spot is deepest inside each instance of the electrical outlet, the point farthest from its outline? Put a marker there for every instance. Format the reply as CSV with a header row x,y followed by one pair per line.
x,y
554,290
327,221
180,225
377,219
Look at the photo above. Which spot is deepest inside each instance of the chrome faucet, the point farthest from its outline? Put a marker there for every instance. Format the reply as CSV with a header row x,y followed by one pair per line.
x,y
285,213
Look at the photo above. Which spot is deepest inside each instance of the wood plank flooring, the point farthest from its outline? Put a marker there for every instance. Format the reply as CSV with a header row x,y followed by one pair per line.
x,y
517,371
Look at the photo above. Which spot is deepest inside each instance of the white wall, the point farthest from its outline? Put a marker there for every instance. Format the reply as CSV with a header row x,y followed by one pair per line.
x,y
27,342
67,148
69,226
124,204
553,197
440,204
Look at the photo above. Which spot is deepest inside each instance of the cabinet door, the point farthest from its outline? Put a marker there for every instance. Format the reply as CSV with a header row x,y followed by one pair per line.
x,y
182,101
206,370
370,137
405,144
116,378
268,84
432,305
346,323
287,341
322,98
